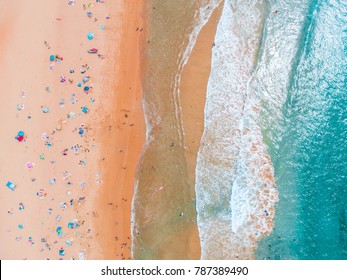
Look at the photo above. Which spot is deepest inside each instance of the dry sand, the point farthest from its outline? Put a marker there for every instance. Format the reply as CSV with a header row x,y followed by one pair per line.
x,y
108,172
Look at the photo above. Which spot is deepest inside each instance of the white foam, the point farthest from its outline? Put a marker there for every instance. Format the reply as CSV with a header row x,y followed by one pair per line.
x,y
234,175
279,50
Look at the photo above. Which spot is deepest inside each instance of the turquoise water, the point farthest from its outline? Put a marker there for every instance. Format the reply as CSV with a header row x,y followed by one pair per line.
x,y
307,139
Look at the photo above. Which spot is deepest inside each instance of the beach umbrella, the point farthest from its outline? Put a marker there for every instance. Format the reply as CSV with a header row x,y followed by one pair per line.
x,y
20,138
20,133
52,57
11,185
70,225
52,181
86,89
85,109
29,165
44,136
90,36
81,131
59,231
86,79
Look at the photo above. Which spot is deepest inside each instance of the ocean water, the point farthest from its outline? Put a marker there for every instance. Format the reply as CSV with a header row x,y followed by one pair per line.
x,y
271,171
271,168
308,143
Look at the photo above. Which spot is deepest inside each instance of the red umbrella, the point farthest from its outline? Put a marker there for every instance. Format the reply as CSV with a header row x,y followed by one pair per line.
x,y
20,138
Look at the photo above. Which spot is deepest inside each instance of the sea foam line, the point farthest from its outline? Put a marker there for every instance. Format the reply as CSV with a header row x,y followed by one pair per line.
x,y
234,176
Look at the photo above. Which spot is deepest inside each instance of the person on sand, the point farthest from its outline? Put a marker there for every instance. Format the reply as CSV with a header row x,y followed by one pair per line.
x,y
20,107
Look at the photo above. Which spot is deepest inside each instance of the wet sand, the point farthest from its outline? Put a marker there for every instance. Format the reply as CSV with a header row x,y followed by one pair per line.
x,y
165,217
192,97
193,90
29,36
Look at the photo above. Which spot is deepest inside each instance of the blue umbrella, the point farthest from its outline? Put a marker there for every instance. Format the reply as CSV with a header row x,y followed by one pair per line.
x,y
59,230
86,88
90,36
70,225
81,131
20,133
52,57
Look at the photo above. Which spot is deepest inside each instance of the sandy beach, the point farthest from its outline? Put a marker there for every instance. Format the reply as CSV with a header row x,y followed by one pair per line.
x,y
73,128
124,131
192,96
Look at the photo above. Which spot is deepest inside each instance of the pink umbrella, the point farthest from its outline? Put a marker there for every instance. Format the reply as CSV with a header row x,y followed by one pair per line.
x,y
44,136
29,165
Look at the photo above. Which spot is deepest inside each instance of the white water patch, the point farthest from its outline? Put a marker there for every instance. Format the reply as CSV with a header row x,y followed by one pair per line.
x,y
234,176
282,34
201,18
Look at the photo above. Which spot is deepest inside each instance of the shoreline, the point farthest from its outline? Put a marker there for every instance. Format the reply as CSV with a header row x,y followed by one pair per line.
x,y
193,88
167,229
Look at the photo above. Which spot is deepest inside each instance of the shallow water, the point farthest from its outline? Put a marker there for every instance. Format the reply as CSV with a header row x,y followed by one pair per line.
x,y
164,217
